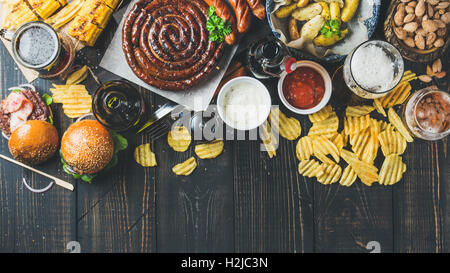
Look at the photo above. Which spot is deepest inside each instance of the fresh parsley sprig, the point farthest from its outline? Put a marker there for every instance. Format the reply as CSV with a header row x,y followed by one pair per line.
x,y
218,28
331,27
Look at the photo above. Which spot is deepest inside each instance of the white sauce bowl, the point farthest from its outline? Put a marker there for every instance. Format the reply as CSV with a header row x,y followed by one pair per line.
x,y
326,97
263,108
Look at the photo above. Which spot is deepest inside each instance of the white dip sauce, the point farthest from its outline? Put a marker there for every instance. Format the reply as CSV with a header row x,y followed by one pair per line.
x,y
372,68
245,105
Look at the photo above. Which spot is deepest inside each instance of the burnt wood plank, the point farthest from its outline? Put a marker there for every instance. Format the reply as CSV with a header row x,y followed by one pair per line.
x,y
195,213
32,222
116,212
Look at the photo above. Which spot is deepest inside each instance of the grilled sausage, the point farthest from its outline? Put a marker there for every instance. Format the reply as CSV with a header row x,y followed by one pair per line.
x,y
166,43
257,8
243,14
224,12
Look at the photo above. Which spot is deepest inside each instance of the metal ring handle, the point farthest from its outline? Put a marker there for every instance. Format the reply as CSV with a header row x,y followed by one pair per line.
x,y
33,190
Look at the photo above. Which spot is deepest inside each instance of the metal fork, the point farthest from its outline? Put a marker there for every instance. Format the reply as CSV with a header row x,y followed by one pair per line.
x,y
159,123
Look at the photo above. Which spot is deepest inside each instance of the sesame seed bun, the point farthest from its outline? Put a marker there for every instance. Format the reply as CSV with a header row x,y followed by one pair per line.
x,y
87,146
34,142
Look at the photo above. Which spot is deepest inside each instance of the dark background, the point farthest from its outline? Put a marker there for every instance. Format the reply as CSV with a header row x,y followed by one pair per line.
x,y
241,201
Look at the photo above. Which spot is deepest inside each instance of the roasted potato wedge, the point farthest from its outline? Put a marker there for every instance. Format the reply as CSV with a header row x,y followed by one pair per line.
x,y
349,10
308,12
312,27
340,2
323,41
285,11
293,29
335,11
325,10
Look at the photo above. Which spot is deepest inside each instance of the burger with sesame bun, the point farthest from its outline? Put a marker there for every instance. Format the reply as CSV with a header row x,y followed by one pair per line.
x,y
88,148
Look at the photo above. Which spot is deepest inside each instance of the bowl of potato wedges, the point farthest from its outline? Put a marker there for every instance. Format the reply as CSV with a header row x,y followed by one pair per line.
x,y
322,30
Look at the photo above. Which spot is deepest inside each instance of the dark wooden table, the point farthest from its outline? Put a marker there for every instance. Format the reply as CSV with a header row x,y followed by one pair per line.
x,y
240,202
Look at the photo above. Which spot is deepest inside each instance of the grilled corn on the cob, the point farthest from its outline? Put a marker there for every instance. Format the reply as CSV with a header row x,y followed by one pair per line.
x,y
111,3
20,14
91,20
84,30
96,12
44,8
65,15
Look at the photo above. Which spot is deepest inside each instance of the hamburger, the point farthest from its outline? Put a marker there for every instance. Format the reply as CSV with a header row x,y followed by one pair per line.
x,y
88,148
22,104
34,142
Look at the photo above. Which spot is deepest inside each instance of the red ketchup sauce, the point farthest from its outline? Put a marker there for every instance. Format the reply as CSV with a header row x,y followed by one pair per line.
x,y
304,88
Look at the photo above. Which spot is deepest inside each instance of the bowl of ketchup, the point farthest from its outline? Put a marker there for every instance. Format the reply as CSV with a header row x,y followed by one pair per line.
x,y
307,89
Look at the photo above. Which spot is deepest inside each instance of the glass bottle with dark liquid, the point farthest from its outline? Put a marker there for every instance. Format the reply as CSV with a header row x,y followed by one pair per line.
x,y
118,106
268,58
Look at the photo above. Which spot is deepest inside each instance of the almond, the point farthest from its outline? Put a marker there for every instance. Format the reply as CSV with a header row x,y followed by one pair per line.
x,y
420,8
398,18
409,42
429,26
439,42
430,10
437,66
445,17
433,2
442,5
441,11
400,33
430,71
436,15
409,9
431,37
424,18
425,78
421,32
439,23
409,18
405,1
419,41
441,74
412,4
411,27
441,32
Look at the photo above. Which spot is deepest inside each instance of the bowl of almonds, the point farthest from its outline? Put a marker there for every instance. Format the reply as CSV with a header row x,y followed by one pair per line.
x,y
419,28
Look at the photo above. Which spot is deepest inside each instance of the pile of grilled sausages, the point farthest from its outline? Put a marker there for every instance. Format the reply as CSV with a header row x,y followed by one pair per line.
x,y
243,9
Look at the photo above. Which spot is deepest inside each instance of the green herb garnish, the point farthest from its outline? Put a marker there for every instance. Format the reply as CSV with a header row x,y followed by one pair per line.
x,y
218,28
50,120
47,98
331,27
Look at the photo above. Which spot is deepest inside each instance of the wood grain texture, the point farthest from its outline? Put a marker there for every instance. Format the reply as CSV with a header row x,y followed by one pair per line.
x,y
241,201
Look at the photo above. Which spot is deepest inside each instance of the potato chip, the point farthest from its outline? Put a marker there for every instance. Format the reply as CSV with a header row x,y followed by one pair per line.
x,y
359,142
144,156
304,148
348,177
398,124
371,150
325,146
321,115
357,111
289,128
392,142
338,141
179,138
392,170
310,168
366,172
269,140
76,101
408,76
325,127
209,150
353,125
331,174
397,96
379,107
323,158
186,167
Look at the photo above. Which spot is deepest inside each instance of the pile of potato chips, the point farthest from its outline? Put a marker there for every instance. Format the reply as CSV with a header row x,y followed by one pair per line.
x,y
180,139
358,143
74,97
